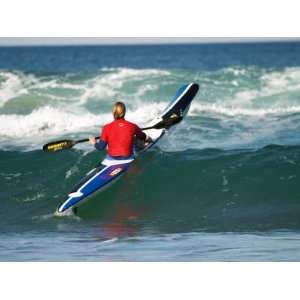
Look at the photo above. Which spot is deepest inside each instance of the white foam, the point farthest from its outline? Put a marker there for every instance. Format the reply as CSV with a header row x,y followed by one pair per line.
x,y
34,198
47,123
142,90
246,94
219,109
71,172
109,84
260,93
54,83
106,85
288,79
44,124
11,86
145,113
275,85
236,71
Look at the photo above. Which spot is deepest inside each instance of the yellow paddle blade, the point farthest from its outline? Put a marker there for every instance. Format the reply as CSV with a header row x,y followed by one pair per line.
x,y
58,145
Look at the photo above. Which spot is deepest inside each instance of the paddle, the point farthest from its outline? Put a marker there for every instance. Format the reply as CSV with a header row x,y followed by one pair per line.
x,y
68,144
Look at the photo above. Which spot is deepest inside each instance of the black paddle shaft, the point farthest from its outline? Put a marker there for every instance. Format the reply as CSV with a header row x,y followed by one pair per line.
x,y
68,144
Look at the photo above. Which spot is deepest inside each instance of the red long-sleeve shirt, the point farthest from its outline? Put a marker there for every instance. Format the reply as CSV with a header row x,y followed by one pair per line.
x,y
119,136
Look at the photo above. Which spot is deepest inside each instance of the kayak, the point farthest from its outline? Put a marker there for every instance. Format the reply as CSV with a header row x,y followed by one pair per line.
x,y
110,170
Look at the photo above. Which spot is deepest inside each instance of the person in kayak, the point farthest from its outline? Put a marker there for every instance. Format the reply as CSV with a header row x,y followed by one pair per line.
x,y
119,136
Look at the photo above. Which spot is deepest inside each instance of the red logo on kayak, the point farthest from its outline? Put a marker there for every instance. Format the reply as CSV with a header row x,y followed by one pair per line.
x,y
115,172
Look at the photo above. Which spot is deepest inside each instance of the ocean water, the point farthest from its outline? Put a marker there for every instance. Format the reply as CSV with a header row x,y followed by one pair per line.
x,y
222,186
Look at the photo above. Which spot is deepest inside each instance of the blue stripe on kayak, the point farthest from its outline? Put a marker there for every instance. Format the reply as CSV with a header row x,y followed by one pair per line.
x,y
98,181
174,99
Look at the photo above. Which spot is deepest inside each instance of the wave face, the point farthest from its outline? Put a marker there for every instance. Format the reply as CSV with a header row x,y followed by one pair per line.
x,y
196,189
231,166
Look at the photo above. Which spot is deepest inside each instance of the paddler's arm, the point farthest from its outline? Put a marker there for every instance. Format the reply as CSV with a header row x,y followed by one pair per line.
x,y
102,141
98,145
142,136
148,139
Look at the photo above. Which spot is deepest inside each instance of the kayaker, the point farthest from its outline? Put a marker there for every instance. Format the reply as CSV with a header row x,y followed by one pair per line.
x,y
119,136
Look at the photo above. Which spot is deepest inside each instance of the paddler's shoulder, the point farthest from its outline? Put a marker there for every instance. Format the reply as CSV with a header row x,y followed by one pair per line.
x,y
122,122
129,123
114,122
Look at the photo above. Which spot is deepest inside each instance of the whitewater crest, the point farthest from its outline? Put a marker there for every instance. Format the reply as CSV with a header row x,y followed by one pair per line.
x,y
12,85
237,106
79,89
45,123
232,111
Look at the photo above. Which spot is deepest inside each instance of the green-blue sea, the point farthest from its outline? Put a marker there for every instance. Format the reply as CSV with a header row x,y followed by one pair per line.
x,y
224,185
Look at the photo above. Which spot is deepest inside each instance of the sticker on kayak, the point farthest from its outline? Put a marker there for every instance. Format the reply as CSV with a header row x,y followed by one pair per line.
x,y
115,172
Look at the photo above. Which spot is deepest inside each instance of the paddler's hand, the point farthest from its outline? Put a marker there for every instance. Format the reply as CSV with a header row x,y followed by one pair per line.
x,y
148,140
92,140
